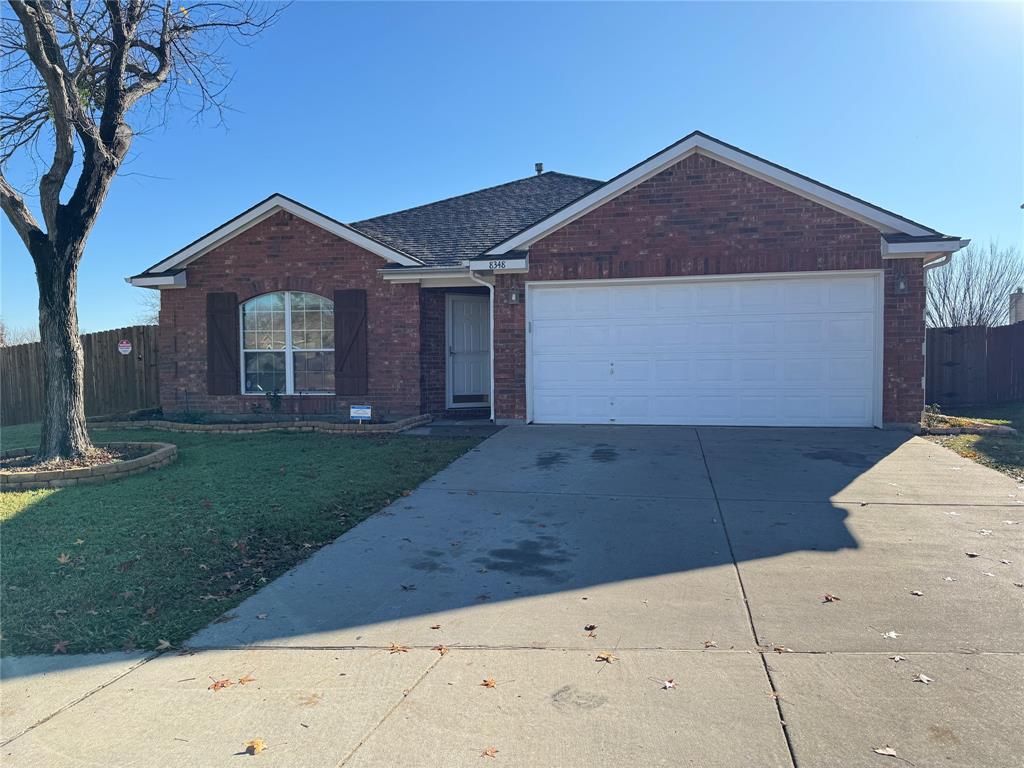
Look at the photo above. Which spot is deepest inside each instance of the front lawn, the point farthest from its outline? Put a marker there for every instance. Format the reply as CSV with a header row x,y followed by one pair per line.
x,y
1002,452
159,555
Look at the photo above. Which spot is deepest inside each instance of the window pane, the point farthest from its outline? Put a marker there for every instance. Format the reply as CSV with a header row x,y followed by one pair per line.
x,y
312,324
264,372
314,371
263,322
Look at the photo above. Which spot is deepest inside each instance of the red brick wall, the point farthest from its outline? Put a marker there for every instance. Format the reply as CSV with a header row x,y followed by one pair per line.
x,y
287,253
701,217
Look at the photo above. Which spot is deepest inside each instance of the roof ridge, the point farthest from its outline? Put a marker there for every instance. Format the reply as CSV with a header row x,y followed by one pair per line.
x,y
474,192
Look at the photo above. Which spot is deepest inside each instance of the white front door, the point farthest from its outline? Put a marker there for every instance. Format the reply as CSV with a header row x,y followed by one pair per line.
x,y
784,350
469,351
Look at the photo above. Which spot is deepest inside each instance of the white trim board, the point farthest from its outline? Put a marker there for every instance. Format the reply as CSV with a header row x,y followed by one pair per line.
x,y
731,156
262,211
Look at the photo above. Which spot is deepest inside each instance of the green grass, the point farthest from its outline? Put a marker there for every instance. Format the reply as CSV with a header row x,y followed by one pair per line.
x,y
1001,452
159,555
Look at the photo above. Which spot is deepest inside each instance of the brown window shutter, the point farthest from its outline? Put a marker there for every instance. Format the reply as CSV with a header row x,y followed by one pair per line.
x,y
350,375
222,344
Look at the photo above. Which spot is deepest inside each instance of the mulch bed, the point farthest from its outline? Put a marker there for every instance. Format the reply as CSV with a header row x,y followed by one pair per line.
x,y
94,458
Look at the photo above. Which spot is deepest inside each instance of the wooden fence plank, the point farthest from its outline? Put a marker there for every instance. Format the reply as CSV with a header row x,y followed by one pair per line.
x,y
114,383
974,365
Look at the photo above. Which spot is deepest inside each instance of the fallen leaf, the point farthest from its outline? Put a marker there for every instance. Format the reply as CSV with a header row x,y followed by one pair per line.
x,y
972,554
408,587
246,679
828,597
667,684
407,493
396,648
163,645
885,750
607,657
590,627
483,597
435,626
892,634
442,649
917,593
255,746
64,558
261,616
218,684
79,542
897,658
782,649
489,682
710,643
60,647
1005,562
490,752
948,578
921,678
987,573
985,532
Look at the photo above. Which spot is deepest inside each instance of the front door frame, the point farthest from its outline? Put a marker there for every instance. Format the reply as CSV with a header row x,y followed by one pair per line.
x,y
449,404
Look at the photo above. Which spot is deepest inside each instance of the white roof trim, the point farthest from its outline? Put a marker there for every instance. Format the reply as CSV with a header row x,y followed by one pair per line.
x,y
921,248
705,145
159,281
268,208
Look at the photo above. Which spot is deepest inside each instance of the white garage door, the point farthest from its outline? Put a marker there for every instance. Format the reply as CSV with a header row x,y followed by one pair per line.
x,y
786,351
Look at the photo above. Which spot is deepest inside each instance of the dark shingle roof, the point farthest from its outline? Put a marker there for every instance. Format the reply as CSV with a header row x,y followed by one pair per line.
x,y
449,231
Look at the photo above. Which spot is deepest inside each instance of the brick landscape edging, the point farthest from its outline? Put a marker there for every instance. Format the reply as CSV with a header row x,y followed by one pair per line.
x,y
160,454
269,426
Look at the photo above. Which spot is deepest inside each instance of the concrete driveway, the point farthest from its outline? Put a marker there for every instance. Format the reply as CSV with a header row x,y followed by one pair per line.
x,y
697,554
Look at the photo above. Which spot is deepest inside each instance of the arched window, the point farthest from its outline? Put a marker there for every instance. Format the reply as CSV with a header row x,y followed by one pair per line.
x,y
288,344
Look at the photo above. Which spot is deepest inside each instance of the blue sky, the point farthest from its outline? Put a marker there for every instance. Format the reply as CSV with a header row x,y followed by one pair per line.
x,y
361,109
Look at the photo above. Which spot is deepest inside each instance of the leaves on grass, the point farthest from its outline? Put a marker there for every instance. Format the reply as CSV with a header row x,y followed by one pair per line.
x,y
490,752
828,597
79,542
489,682
163,645
60,647
217,685
442,649
922,678
255,746
64,558
246,679
607,657
396,648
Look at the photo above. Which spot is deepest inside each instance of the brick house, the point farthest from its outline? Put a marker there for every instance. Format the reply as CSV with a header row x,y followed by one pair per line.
x,y
704,285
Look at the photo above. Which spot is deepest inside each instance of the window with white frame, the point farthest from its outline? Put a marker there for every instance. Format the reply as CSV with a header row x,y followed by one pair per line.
x,y
288,344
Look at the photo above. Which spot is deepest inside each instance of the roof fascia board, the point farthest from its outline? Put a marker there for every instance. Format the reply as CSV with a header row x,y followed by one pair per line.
x,y
264,210
921,249
159,281
730,156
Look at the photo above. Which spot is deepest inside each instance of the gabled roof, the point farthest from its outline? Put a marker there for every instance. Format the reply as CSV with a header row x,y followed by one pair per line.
x,y
451,231
163,271
885,221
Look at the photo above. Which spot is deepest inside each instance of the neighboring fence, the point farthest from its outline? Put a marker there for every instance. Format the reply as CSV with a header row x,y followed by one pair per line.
x,y
975,365
114,383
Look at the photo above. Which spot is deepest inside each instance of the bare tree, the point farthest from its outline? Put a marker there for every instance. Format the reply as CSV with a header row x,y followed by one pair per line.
x,y
80,79
11,336
149,307
975,287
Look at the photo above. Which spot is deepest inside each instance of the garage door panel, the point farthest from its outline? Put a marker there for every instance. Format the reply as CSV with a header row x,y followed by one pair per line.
x,y
782,352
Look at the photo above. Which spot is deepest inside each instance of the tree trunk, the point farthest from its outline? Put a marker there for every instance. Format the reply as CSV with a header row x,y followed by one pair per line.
x,y
63,433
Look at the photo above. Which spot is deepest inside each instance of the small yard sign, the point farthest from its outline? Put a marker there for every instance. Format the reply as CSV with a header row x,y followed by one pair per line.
x,y
359,412
124,346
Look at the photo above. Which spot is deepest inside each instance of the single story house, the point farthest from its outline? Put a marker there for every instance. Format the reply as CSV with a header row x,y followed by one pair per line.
x,y
704,285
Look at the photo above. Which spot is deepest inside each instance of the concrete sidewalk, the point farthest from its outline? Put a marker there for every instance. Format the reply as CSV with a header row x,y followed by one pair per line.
x,y
696,553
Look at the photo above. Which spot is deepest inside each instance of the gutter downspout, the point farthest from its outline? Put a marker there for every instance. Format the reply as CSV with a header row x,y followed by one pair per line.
x,y
490,324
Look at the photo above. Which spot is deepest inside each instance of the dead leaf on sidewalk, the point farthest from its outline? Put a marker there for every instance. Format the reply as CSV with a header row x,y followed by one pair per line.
x,y
396,648
782,649
922,678
590,627
246,679
442,649
885,750
489,682
607,657
710,643
490,752
917,593
666,685
892,634
828,597
972,554
897,658
219,684
408,587
255,746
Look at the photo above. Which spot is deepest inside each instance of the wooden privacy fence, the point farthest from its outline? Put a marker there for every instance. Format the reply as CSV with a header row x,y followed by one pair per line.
x,y
975,365
114,383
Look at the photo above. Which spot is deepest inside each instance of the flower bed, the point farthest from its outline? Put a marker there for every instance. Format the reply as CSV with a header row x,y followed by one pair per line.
x,y
270,426
143,457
